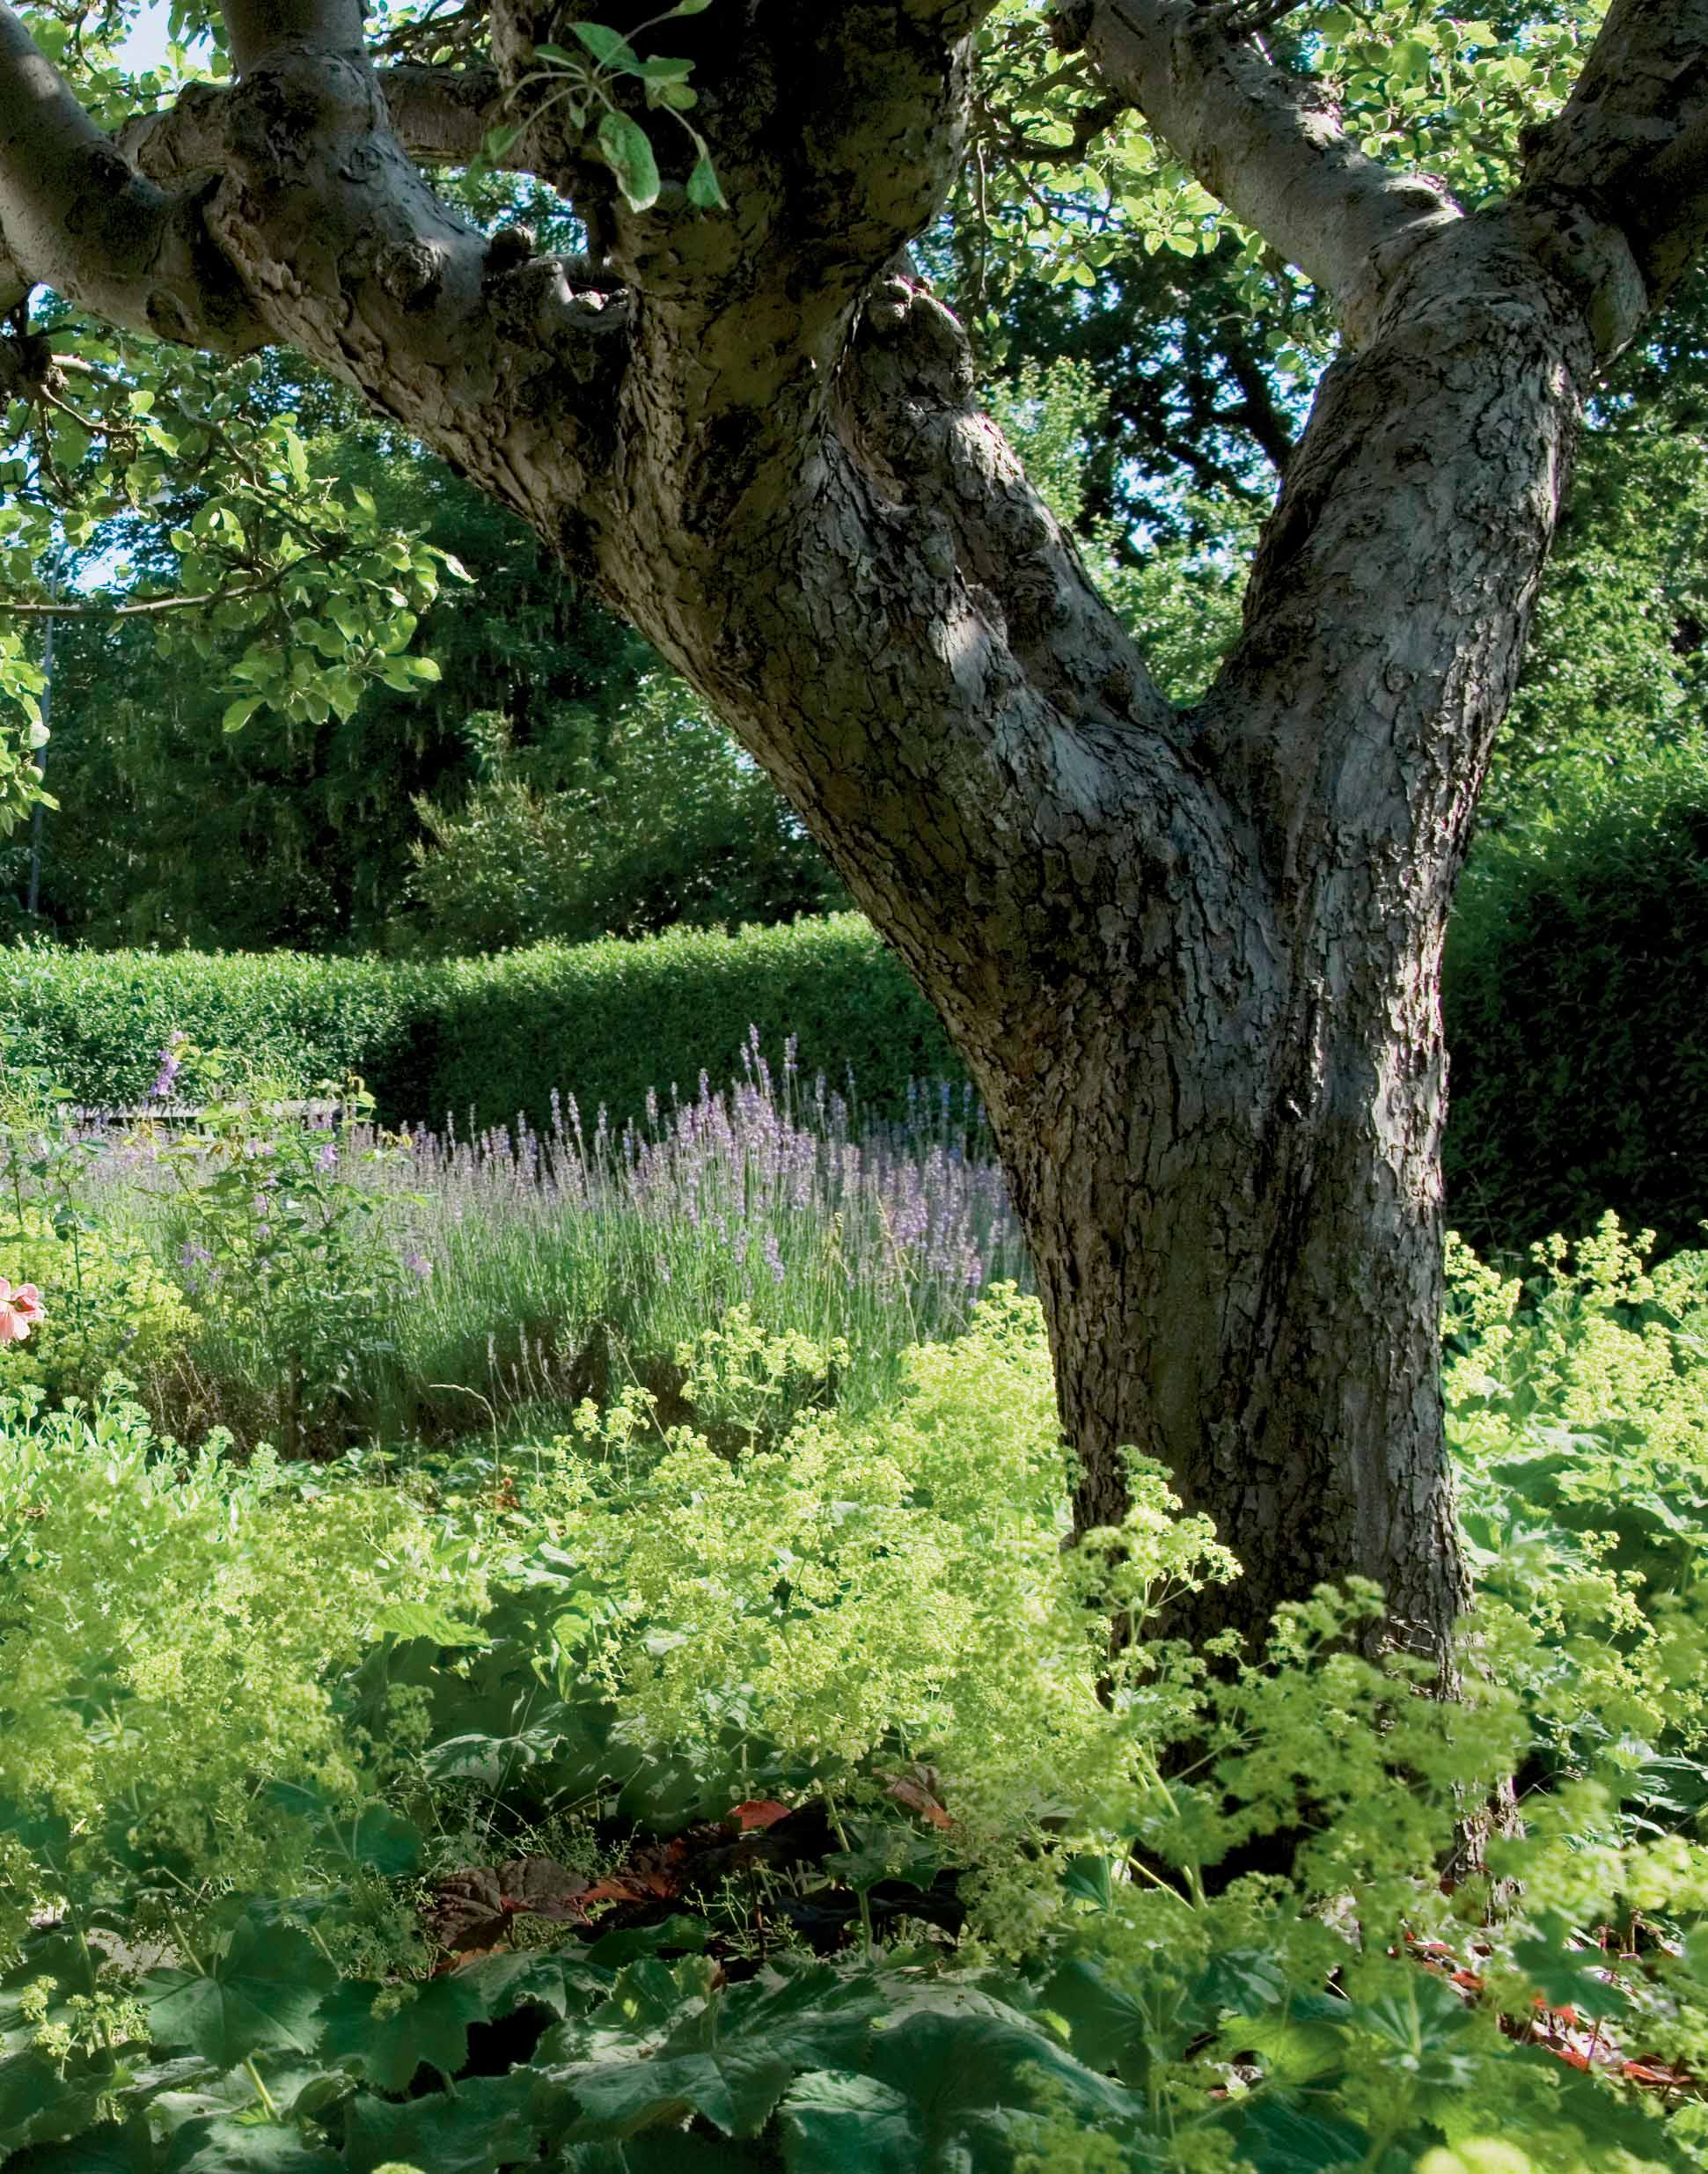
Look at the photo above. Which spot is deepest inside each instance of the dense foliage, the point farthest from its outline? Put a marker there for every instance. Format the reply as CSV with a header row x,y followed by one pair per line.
x,y
516,767
484,1039
1575,1004
753,1786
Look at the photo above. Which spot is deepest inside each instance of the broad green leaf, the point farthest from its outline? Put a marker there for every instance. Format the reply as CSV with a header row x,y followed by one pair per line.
x,y
486,2125
387,2038
1286,2138
265,1991
607,47
627,152
239,713
837,2123
631,1943
39,2105
734,2090
420,1618
109,2147
564,1982
225,2146
965,2059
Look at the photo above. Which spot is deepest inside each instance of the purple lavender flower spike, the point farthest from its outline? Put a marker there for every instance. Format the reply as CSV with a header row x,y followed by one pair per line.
x,y
171,1065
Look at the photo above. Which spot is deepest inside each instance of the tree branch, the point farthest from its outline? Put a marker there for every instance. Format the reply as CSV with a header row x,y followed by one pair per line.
x,y
440,115
1632,142
1254,137
75,215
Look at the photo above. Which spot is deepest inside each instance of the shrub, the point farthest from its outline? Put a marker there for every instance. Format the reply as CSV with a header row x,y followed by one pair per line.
x,y
610,1022
170,1630
672,823
485,1037
97,1021
105,1305
1576,996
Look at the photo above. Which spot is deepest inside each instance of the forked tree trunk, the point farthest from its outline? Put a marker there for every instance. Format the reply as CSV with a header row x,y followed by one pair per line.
x,y
1190,957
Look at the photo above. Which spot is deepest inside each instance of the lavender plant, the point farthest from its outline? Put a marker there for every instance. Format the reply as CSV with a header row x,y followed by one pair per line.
x,y
551,1266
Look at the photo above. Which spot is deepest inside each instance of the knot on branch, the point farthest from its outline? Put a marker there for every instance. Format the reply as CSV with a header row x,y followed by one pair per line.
x,y
296,98
915,345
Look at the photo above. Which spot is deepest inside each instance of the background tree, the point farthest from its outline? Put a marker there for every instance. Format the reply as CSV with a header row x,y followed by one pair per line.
x,y
415,819
1191,955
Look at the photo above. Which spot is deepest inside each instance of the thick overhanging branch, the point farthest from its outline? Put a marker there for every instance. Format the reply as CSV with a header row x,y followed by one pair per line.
x,y
1259,142
1632,145
440,115
75,215
486,352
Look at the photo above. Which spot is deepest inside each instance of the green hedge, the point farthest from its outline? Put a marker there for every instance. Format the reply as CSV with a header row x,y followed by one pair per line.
x,y
1576,994
486,1037
1576,997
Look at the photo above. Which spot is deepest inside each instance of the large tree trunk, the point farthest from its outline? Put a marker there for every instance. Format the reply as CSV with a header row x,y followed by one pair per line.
x,y
1190,957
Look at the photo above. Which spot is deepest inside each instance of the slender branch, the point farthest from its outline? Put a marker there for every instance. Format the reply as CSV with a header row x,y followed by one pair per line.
x,y
1258,142
147,608
75,215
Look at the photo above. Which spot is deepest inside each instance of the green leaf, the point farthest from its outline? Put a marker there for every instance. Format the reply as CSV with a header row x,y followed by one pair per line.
x,y
1410,61
429,2028
486,2125
266,1990
833,2122
1284,2140
627,151
704,190
221,2145
564,1982
239,713
607,47
735,2091
496,141
631,1943
420,1618
107,2149
39,2105
965,2058
379,1839
687,7
1567,1972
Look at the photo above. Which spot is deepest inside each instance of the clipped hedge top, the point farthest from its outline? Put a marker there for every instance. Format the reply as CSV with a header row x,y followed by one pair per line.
x,y
493,1036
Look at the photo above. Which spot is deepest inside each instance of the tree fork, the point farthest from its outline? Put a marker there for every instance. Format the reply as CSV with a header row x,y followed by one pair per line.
x,y
1191,956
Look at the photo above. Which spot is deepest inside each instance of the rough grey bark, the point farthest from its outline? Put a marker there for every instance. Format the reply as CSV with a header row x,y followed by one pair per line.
x,y
1190,957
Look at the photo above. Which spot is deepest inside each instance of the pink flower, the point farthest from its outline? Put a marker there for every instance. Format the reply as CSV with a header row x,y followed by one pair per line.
x,y
19,1310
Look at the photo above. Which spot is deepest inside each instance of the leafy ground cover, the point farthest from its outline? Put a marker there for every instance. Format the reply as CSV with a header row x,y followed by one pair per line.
x,y
715,1757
